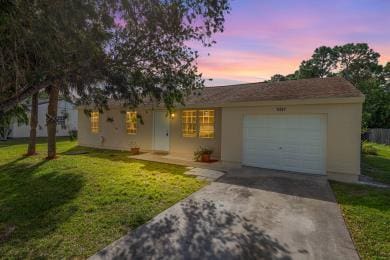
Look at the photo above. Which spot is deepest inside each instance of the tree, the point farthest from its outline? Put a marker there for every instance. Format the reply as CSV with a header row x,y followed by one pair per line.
x,y
31,150
357,63
16,114
376,108
51,121
277,78
386,72
95,50
322,63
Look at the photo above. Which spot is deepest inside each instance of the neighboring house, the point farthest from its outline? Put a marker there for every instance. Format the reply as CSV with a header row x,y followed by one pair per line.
x,y
66,120
309,126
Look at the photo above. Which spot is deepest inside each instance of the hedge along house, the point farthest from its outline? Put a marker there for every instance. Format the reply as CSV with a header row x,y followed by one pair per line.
x,y
305,126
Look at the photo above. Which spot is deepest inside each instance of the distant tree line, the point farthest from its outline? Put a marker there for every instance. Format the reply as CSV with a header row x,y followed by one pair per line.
x,y
357,63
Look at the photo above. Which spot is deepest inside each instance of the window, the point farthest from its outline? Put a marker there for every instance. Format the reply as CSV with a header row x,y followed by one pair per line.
x,y
206,123
131,122
61,121
189,123
94,122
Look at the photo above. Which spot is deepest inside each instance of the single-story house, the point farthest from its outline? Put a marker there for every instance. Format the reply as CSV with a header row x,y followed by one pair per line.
x,y
306,126
66,120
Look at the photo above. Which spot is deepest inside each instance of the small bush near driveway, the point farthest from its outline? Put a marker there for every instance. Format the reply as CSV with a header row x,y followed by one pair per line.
x,y
369,148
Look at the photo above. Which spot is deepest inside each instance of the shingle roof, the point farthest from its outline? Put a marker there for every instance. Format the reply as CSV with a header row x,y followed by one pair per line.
x,y
335,87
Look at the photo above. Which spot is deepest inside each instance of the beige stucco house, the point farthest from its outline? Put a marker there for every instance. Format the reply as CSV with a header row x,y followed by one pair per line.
x,y
307,126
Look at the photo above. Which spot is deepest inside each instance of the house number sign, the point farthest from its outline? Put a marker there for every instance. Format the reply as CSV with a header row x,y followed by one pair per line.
x,y
281,109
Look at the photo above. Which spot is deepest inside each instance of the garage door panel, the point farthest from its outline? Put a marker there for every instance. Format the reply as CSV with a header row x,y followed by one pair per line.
x,y
258,133
308,151
308,135
265,144
259,155
292,143
293,134
252,121
311,165
312,124
291,148
268,161
287,155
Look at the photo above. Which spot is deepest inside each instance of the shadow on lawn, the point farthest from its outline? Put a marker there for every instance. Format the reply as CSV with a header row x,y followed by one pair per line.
x,y
199,230
362,195
25,141
125,157
377,167
32,201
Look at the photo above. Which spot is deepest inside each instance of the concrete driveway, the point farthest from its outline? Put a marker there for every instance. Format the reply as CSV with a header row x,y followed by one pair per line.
x,y
249,213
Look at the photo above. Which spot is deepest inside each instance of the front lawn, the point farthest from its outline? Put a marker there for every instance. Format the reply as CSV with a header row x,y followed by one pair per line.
x,y
366,209
78,204
377,166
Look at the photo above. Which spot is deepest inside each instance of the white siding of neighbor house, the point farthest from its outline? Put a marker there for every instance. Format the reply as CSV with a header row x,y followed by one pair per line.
x,y
63,107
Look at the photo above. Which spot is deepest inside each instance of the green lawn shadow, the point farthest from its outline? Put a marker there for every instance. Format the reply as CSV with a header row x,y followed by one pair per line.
x,y
125,157
362,195
32,203
377,167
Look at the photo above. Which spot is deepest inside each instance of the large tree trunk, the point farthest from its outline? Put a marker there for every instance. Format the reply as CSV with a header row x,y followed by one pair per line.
x,y
51,121
33,125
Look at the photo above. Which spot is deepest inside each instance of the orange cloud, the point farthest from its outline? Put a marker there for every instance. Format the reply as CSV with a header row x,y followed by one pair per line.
x,y
246,66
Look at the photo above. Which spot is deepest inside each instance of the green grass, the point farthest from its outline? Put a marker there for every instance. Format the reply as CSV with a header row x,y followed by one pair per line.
x,y
78,204
366,209
366,212
377,166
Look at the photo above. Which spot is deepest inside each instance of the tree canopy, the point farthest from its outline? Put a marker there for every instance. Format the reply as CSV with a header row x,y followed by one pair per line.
x,y
15,115
95,50
359,64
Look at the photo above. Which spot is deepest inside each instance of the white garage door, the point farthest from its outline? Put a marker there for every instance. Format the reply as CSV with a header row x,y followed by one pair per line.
x,y
291,143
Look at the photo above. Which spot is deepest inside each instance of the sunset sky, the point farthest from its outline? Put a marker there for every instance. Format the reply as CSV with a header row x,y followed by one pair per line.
x,y
262,38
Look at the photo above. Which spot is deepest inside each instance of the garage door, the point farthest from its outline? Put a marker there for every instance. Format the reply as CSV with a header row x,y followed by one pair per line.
x,y
292,143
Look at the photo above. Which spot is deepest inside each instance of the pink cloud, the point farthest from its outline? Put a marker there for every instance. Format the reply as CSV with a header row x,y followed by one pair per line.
x,y
263,38
246,66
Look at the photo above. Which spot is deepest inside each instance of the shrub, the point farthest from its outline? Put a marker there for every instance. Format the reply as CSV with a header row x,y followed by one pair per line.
x,y
369,149
201,151
72,135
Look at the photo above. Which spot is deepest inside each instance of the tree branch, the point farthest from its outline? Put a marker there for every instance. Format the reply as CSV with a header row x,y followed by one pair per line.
x,y
27,92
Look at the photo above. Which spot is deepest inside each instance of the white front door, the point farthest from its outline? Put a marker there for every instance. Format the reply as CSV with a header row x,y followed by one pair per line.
x,y
161,131
291,142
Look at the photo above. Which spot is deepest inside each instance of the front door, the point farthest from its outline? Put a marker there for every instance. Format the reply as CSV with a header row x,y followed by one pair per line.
x,y
161,131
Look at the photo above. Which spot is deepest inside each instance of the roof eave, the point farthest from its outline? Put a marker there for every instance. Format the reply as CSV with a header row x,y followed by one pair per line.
x,y
309,101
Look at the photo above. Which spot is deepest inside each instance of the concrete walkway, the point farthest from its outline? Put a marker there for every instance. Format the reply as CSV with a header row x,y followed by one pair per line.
x,y
248,213
186,161
205,174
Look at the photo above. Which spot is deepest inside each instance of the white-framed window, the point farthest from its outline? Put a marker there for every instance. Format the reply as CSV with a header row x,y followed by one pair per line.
x,y
61,121
188,119
94,119
131,122
206,123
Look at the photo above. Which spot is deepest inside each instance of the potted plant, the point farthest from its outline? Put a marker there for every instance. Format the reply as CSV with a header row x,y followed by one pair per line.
x,y
134,148
203,154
